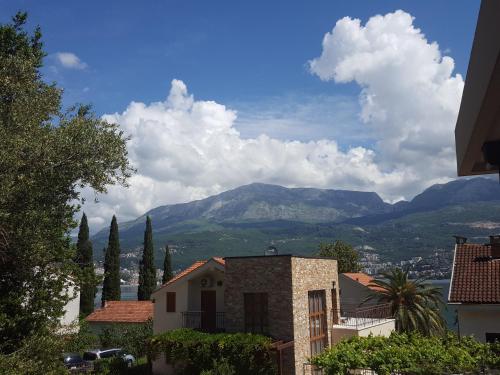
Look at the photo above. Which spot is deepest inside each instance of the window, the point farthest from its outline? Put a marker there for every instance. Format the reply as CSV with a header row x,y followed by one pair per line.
x,y
170,301
256,319
317,321
492,337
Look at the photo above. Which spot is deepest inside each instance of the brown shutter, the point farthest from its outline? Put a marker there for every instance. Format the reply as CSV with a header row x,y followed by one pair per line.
x,y
170,301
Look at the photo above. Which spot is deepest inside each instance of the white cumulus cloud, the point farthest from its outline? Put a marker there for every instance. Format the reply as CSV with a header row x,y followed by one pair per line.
x,y
70,61
186,149
409,95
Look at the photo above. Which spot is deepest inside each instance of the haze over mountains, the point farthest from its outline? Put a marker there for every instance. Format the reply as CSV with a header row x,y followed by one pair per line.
x,y
247,219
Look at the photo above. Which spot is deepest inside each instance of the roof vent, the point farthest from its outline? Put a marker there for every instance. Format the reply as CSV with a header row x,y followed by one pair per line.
x,y
495,246
271,250
459,240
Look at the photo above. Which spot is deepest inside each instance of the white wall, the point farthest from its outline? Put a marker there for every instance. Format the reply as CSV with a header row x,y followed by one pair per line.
x,y
194,290
72,309
351,292
162,320
384,328
477,320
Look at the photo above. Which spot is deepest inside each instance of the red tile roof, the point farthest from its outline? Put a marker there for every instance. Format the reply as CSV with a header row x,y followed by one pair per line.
x,y
476,276
362,278
192,268
123,312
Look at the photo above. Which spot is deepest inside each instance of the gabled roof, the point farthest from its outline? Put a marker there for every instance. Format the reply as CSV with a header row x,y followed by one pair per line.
x,y
123,312
193,267
362,278
476,275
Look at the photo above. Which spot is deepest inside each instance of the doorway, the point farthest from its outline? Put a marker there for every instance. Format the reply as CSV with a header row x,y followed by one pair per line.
x,y
208,310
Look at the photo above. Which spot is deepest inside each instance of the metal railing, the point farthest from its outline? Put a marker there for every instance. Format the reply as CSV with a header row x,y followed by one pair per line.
x,y
203,321
361,317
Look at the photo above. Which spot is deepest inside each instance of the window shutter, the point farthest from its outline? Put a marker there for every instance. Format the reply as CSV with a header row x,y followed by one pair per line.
x,y
170,301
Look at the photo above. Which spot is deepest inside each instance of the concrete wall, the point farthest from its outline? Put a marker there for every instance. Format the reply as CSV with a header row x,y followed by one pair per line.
x,y
310,274
194,290
162,320
71,311
384,328
352,293
477,320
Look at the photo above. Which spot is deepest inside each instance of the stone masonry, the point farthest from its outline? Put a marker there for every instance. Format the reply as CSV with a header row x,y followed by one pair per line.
x,y
287,280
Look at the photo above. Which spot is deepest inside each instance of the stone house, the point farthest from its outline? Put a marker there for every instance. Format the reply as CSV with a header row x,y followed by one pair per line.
x,y
293,299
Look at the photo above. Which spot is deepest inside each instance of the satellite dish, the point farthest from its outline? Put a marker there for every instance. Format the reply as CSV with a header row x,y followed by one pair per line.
x,y
271,250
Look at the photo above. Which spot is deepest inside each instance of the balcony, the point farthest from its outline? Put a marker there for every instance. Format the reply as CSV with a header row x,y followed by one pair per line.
x,y
361,317
204,321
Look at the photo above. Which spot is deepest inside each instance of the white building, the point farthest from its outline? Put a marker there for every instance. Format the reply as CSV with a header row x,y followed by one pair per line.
x,y
475,289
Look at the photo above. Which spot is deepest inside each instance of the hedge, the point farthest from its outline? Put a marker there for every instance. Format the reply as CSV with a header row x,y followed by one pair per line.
x,y
192,352
409,354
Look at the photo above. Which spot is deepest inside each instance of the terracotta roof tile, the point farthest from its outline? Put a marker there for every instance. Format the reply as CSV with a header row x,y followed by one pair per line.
x,y
362,278
123,312
192,268
476,275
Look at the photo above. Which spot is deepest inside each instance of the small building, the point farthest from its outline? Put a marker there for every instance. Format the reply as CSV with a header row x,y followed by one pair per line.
x,y
121,313
475,289
293,299
194,298
355,288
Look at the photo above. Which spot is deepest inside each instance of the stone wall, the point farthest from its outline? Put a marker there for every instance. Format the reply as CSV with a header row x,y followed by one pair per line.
x,y
271,275
310,274
287,281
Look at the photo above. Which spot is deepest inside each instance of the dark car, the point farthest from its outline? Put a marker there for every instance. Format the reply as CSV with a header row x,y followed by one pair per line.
x,y
96,354
74,361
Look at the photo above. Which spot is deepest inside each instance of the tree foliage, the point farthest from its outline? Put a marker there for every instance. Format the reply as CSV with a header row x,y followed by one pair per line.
x,y
147,270
84,259
167,266
111,285
347,258
415,304
409,354
192,352
46,156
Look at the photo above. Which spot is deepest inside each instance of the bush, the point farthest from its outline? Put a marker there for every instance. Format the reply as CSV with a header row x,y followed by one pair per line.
x,y
110,366
192,352
131,338
409,354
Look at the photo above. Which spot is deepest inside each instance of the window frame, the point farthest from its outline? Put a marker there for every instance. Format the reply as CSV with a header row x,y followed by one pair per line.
x,y
318,323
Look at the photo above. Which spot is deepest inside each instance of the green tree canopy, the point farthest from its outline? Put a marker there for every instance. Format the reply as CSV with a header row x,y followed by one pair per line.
x,y
84,259
111,284
415,304
344,253
47,156
147,270
167,266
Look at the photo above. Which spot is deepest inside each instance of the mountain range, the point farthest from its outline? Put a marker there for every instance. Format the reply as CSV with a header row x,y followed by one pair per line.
x,y
245,220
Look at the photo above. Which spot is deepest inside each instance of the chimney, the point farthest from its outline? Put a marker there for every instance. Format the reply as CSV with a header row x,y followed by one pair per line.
x,y
495,246
459,240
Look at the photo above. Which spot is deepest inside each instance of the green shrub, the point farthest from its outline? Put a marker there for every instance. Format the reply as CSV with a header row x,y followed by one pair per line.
x,y
110,366
192,352
409,354
131,338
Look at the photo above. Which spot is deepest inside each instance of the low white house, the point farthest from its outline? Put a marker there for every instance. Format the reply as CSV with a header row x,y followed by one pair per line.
x,y
194,298
475,289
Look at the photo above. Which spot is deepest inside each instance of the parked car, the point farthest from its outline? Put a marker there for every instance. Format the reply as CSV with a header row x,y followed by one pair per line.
x,y
93,355
74,361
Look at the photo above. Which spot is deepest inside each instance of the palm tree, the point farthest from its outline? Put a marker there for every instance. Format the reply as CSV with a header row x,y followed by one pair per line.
x,y
415,304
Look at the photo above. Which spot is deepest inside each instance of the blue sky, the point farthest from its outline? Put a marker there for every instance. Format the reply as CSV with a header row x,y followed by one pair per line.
x,y
227,51
373,119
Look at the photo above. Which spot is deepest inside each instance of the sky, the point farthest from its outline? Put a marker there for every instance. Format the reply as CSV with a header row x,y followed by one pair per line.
x,y
359,95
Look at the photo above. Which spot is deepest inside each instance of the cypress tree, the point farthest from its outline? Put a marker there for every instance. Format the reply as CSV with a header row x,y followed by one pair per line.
x,y
147,271
85,262
167,266
111,284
